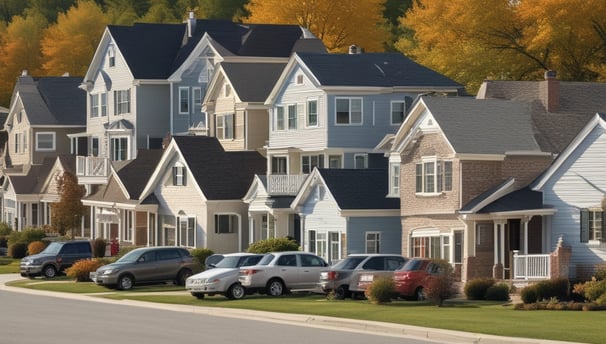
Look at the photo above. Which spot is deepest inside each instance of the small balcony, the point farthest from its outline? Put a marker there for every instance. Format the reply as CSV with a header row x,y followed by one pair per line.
x,y
284,185
92,169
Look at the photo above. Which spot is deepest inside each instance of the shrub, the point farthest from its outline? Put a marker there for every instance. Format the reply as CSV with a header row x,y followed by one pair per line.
x,y
3,241
381,290
529,294
200,254
35,247
476,288
17,250
442,287
99,246
5,229
273,245
81,269
545,290
26,236
498,292
600,274
594,291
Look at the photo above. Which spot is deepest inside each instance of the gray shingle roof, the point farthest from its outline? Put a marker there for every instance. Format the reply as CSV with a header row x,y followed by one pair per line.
x,y
32,182
52,100
221,175
358,189
484,126
136,174
373,69
253,81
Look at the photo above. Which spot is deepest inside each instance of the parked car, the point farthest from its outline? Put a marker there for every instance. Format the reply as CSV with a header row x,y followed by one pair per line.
x,y
414,278
361,279
338,277
148,265
222,278
55,258
279,272
212,260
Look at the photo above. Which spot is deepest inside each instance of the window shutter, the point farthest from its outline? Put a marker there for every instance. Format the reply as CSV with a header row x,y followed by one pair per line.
x,y
584,225
183,176
174,175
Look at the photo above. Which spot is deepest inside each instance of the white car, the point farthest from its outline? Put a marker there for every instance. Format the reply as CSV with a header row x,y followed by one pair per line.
x,y
223,277
278,272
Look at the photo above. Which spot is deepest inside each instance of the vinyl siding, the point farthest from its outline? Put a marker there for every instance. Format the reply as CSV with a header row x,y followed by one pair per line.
x,y
388,227
152,113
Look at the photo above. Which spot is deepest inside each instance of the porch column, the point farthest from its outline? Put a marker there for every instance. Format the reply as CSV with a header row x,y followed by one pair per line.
x,y
251,228
525,221
502,243
496,243
304,243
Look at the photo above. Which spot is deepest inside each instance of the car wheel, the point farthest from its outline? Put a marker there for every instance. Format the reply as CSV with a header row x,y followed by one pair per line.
x,y
49,271
126,282
182,276
236,292
420,294
341,292
275,287
198,296
357,296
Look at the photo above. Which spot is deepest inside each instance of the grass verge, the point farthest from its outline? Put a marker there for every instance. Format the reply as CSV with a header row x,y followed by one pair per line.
x,y
462,315
9,265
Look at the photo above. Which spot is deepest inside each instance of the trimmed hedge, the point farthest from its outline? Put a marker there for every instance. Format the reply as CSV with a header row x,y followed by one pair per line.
x,y
381,290
545,290
498,292
17,250
476,289
273,245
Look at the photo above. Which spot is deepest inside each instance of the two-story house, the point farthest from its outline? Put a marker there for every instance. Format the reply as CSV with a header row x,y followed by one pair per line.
x,y
330,111
43,111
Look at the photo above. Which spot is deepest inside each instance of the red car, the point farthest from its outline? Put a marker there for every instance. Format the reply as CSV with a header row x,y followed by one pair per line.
x,y
414,277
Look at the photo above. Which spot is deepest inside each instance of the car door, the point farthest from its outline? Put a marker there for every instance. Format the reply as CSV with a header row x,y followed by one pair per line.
x,y
309,273
145,268
169,263
288,270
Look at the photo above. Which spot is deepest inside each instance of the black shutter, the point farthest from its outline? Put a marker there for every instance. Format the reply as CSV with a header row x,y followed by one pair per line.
x,y
584,225
184,175
175,175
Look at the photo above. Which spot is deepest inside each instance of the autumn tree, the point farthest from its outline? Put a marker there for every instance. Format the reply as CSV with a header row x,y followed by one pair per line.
x,y
67,213
20,49
338,24
161,11
69,45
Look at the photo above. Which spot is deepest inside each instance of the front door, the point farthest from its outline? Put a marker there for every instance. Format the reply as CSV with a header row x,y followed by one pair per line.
x,y
513,241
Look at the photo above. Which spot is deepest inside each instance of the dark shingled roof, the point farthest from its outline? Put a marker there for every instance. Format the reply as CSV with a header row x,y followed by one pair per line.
x,y
373,69
33,181
253,81
135,175
523,199
52,100
220,175
359,188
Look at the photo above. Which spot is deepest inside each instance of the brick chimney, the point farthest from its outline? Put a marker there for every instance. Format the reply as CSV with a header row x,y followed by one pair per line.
x,y
550,92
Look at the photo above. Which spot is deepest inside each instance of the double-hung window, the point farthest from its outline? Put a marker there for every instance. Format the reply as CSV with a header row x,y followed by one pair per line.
x,y
226,223
225,127
122,102
348,111
308,162
183,100
45,141
360,161
373,242
187,226
197,99
178,175
312,113
103,103
279,122
593,225
292,116
394,179
94,105
433,176
398,111
119,148
279,165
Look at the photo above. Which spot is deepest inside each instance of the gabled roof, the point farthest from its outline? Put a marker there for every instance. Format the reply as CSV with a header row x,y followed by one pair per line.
x,y
220,175
359,188
136,174
33,181
52,100
252,82
484,126
373,69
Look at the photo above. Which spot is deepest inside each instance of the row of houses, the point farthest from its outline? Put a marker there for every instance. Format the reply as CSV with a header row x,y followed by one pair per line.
x,y
212,134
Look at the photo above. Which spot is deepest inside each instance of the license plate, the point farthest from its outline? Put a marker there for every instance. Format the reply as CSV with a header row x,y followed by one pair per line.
x,y
366,278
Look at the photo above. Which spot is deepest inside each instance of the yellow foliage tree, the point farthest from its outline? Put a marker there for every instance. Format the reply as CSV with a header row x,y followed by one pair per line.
x,y
338,23
69,45
19,50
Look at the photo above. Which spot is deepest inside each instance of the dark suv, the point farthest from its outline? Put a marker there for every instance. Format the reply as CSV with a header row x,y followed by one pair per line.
x,y
55,258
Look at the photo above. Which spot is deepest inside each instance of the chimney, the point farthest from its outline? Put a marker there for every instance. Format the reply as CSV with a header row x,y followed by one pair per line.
x,y
191,24
24,72
550,92
354,50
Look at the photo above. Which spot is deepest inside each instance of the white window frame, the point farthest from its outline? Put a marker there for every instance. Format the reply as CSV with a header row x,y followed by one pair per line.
x,y
18,138
308,160
364,156
350,120
312,116
197,99
332,158
187,235
225,126
179,175
292,117
184,104
103,104
434,244
394,179
374,238
113,150
39,140
299,79
433,181
94,105
392,112
280,119
111,56
94,139
122,102
273,166
233,229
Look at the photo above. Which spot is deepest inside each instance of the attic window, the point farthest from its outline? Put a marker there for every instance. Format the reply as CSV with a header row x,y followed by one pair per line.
x,y
178,175
111,56
300,79
227,90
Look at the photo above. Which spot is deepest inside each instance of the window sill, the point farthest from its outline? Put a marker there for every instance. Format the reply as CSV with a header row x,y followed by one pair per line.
x,y
426,194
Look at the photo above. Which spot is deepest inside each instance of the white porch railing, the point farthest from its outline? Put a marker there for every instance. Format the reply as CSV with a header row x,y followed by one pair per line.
x,y
285,185
531,266
92,166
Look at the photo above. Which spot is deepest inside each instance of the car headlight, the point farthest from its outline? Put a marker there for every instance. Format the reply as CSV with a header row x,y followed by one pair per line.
x,y
109,271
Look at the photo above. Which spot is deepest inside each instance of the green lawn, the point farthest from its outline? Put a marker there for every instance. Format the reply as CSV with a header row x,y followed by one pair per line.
x,y
9,265
470,316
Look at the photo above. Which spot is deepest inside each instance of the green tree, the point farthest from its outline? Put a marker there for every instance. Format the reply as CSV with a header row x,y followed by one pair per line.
x,y
223,9
67,213
11,8
338,24
50,9
69,45
162,11
125,12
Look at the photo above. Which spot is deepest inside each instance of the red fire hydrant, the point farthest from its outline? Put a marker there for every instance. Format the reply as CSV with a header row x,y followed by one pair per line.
x,y
114,247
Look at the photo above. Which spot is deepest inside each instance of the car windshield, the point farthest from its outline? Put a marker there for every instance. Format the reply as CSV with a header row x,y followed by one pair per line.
x,y
266,259
412,265
348,263
228,262
52,248
130,257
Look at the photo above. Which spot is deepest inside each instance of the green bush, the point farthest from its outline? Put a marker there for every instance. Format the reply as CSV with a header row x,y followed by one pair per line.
x,y
124,250
3,241
594,291
26,236
35,247
442,287
476,289
200,254
99,246
5,229
545,290
600,274
498,292
273,245
17,250
81,269
529,294
381,290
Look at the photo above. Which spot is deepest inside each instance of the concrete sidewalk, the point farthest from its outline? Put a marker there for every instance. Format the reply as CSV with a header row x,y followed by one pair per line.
x,y
332,323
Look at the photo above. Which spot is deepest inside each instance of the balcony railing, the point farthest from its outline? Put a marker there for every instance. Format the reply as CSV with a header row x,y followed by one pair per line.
x,y
531,266
90,169
284,185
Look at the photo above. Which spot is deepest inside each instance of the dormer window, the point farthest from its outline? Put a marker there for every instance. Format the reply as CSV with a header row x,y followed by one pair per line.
x,y
179,175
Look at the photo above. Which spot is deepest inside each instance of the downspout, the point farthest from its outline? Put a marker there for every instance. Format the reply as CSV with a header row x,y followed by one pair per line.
x,y
171,107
